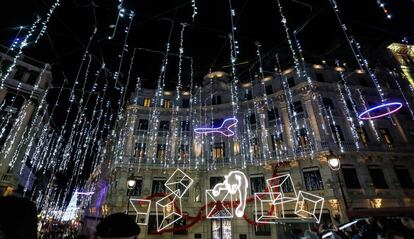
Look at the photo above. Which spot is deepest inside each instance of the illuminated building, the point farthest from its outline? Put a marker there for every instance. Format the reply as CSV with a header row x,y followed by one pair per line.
x,y
378,173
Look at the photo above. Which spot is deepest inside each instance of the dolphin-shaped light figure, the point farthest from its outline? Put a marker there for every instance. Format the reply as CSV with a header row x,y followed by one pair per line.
x,y
224,129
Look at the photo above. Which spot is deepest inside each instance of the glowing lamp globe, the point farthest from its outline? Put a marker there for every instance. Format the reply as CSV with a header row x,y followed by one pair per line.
x,y
334,162
131,182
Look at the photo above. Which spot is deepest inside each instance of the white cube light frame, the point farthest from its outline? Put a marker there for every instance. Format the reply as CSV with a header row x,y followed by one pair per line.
x,y
280,180
139,213
261,214
172,182
316,209
168,218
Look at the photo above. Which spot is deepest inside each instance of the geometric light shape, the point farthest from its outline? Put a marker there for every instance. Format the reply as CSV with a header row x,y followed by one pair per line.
x,y
309,206
222,204
224,129
170,214
234,183
394,105
179,183
276,185
142,208
265,211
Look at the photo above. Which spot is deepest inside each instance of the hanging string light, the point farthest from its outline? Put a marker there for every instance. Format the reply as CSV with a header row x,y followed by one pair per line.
x,y
381,5
371,122
22,45
46,21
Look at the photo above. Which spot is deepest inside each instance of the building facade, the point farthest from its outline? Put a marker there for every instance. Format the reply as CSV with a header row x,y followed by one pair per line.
x,y
23,107
283,128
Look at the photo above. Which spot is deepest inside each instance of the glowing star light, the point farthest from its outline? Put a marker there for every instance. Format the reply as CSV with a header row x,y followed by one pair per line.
x,y
224,129
234,183
391,108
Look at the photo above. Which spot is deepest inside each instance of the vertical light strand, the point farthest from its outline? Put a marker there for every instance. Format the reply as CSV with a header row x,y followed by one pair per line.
x,y
46,21
22,45
371,122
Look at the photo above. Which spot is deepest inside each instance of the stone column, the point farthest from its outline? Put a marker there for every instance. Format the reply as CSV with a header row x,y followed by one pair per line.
x,y
312,118
285,119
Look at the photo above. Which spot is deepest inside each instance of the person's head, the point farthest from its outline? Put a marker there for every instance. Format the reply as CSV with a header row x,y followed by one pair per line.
x,y
408,222
391,234
117,226
18,218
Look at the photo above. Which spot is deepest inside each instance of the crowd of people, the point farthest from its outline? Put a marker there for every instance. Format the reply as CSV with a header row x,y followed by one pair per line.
x,y
373,228
18,220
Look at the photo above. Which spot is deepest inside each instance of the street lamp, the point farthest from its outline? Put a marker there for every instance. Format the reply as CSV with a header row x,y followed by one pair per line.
x,y
335,164
130,185
333,161
131,182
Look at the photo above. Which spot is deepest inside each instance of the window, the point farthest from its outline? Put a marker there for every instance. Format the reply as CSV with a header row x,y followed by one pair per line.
x,y
147,102
164,125
255,148
184,151
269,90
221,229
215,180
166,104
291,82
328,103
262,230
143,124
158,186
140,150
161,151
277,141
251,119
248,95
403,175
350,177
313,179
302,137
337,133
186,103
218,151
216,100
257,184
362,134
297,107
180,223
377,177
272,114
185,125
136,191
385,135
152,224
319,77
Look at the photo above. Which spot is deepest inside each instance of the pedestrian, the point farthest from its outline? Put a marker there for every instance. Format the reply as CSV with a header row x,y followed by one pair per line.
x,y
117,226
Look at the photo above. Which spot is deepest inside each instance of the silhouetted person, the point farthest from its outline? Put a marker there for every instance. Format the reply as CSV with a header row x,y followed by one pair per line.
x,y
117,226
18,218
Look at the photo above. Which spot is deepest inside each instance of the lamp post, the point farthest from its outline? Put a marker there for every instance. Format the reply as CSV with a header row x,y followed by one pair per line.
x,y
130,185
334,163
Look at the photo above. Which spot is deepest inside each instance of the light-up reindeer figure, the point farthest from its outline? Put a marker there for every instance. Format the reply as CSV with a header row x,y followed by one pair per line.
x,y
234,182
